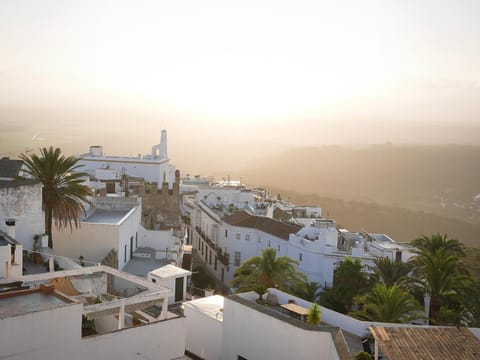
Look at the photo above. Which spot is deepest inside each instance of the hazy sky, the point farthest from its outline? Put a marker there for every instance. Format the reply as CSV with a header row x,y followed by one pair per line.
x,y
286,72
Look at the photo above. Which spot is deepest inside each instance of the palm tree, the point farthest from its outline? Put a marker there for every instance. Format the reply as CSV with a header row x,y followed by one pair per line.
x,y
63,194
389,272
309,291
387,304
438,270
269,271
430,244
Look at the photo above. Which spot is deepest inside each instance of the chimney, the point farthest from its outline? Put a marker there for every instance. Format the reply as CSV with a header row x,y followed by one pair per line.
x,y
163,144
11,227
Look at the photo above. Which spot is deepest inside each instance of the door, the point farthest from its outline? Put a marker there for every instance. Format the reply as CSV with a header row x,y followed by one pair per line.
x,y
131,247
179,289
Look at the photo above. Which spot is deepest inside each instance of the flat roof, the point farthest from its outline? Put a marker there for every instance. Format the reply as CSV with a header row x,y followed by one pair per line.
x,y
24,302
439,343
141,266
169,271
211,306
101,216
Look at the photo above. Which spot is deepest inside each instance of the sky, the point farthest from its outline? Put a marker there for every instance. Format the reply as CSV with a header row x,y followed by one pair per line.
x,y
237,74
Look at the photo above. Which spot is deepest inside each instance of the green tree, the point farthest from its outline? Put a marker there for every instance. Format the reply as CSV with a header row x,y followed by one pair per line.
x,y
389,272
387,304
350,279
308,290
439,272
471,302
314,315
269,271
63,194
430,245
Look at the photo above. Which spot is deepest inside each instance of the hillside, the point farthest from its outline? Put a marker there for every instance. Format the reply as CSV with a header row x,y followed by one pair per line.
x,y
441,180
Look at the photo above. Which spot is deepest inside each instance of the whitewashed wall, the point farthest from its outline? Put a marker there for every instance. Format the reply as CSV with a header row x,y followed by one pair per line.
x,y
32,334
203,334
254,335
127,230
92,241
56,334
157,239
24,204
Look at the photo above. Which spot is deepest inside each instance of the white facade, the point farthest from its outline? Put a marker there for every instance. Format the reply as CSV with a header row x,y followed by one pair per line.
x,y
318,246
204,327
23,203
113,228
154,167
50,327
171,277
252,334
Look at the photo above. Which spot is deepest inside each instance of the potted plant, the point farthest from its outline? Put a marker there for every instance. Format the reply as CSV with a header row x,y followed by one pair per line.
x,y
260,290
314,315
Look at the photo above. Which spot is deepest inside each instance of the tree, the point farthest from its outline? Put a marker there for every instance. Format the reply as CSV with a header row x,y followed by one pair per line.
x,y
387,304
350,279
430,245
439,272
390,272
269,271
309,291
314,315
63,194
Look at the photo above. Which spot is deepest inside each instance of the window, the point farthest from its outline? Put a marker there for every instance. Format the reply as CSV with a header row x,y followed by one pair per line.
x,y
237,236
247,236
300,257
215,262
210,258
278,248
226,232
125,254
236,261
136,240
154,280
268,243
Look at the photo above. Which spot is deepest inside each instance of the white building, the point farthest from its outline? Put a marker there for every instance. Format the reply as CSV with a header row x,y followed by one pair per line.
x,y
236,327
171,277
11,252
204,327
224,243
21,201
74,315
154,167
112,224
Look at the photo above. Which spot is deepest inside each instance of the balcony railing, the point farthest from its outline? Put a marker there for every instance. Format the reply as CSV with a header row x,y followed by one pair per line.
x,y
204,236
223,257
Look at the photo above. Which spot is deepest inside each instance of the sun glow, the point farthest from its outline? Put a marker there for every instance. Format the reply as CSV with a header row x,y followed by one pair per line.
x,y
236,67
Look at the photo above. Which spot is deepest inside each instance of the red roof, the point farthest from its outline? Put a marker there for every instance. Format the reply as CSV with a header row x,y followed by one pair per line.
x,y
262,223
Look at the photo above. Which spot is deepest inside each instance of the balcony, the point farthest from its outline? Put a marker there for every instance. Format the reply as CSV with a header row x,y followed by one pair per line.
x,y
204,236
223,257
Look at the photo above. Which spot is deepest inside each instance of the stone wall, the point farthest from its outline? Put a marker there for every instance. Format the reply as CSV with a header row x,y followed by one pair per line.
x,y
160,207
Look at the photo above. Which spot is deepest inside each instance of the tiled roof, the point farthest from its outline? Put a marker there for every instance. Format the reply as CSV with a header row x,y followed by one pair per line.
x,y
262,223
426,343
9,168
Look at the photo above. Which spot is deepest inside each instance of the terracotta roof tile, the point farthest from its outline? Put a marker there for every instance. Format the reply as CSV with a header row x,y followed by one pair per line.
x,y
262,223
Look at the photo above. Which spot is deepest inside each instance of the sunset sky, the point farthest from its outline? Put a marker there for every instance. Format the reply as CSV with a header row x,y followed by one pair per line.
x,y
248,69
